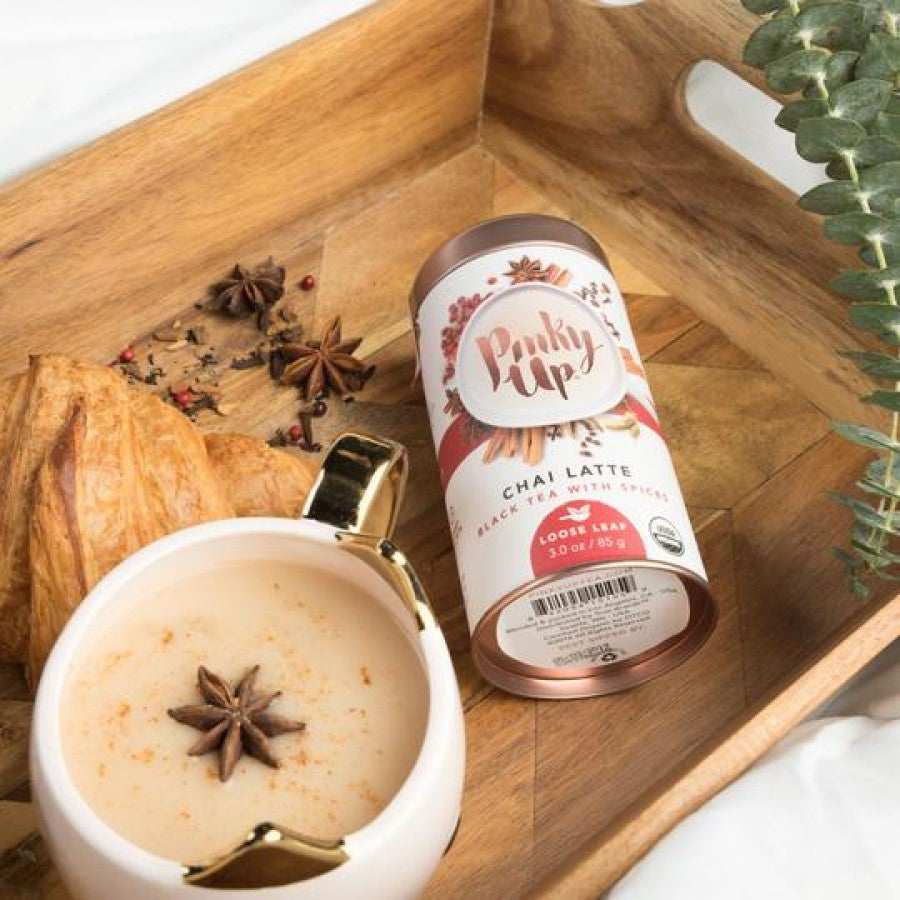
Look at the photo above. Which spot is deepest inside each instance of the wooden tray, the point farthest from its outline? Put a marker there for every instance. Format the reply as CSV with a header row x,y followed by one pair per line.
x,y
354,152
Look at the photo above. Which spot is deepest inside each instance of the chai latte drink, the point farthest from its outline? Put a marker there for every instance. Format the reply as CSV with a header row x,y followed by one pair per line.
x,y
347,725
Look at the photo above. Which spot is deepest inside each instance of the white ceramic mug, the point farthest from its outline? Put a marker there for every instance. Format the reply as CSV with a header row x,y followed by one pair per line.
x,y
351,510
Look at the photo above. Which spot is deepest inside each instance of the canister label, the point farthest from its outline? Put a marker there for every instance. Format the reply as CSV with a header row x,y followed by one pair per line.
x,y
552,458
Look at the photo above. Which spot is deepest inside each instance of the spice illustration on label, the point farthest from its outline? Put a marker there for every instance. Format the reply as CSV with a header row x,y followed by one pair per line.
x,y
531,363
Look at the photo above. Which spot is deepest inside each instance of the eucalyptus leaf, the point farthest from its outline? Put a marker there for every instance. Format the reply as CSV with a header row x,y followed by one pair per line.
x,y
882,318
862,537
865,514
886,124
871,152
837,26
790,73
772,39
853,565
824,138
831,198
875,558
885,399
761,7
878,489
884,175
880,57
848,559
862,543
876,149
891,255
849,119
838,70
861,100
884,201
868,554
874,364
865,436
865,285
792,114
837,170
880,186
876,470
858,227
873,12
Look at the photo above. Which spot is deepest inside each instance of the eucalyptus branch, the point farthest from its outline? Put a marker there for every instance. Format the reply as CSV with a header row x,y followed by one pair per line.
x,y
843,59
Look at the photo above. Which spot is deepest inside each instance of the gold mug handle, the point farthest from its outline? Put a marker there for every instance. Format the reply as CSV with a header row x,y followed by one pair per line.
x,y
358,492
360,485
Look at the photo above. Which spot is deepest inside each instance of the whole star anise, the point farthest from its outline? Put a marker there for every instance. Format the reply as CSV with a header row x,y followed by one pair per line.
x,y
234,721
248,291
325,365
524,270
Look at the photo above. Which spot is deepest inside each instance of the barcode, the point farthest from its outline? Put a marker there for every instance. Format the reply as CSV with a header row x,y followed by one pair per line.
x,y
543,606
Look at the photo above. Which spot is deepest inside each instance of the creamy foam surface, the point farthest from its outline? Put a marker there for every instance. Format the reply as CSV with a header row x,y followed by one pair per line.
x,y
345,668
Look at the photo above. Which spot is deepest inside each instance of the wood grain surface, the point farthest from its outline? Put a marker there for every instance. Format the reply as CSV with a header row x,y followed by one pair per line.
x,y
587,104
349,156
273,153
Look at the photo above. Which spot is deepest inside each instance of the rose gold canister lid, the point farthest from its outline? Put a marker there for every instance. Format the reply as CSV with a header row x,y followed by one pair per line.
x,y
494,234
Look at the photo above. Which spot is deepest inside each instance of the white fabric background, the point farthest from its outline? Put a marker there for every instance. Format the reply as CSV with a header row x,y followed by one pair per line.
x,y
72,70
818,817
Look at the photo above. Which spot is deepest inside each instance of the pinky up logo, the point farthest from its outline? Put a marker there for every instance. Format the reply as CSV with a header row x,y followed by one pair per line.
x,y
584,532
536,355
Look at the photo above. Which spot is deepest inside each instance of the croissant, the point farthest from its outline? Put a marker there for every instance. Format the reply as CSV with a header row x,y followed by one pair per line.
x,y
93,472
42,404
13,618
261,481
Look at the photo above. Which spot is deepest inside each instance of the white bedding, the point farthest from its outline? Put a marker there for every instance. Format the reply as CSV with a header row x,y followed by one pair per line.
x,y
72,71
817,818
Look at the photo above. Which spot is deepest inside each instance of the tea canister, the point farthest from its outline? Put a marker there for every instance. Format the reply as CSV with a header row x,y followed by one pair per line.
x,y
579,567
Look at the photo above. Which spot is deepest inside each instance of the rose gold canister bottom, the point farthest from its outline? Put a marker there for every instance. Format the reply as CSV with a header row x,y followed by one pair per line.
x,y
591,681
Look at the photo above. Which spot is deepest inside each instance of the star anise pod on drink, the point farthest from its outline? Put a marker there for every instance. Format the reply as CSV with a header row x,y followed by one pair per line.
x,y
524,270
234,721
247,291
325,365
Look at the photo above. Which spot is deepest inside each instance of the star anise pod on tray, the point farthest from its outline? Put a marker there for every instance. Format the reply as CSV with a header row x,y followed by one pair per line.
x,y
524,269
234,721
248,291
325,365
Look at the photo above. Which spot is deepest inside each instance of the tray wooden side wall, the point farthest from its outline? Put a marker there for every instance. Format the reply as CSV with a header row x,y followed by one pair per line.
x,y
588,104
354,152
141,217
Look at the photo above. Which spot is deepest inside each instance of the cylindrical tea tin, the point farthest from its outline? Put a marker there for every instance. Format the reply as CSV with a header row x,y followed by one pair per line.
x,y
579,566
